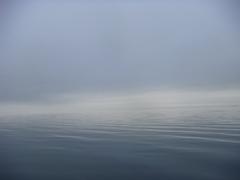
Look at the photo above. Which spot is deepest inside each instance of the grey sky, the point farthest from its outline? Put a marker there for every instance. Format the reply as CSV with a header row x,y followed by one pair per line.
x,y
52,47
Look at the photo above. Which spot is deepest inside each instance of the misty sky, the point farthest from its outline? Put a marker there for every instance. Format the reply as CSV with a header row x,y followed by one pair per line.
x,y
54,47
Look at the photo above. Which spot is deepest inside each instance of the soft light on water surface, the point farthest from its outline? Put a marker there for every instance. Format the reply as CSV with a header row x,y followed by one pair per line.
x,y
138,136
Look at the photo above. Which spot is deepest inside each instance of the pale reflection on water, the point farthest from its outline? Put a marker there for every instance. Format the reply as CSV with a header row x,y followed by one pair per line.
x,y
141,136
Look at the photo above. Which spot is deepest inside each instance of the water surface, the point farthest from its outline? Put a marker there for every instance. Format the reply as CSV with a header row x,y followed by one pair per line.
x,y
125,138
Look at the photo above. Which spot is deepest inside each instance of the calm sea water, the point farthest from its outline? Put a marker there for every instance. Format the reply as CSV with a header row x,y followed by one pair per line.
x,y
136,139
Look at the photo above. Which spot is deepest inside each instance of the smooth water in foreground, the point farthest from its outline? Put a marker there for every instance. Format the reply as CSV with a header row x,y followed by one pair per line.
x,y
125,138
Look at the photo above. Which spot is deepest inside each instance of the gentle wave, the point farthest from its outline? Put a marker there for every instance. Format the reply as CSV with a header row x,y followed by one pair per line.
x,y
189,145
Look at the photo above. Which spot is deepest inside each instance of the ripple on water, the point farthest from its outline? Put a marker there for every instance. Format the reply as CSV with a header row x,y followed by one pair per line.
x,y
173,146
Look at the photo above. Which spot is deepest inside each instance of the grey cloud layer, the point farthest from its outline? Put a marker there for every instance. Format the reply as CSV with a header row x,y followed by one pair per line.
x,y
52,47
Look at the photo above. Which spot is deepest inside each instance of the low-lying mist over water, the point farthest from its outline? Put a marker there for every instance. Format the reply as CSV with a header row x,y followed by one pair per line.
x,y
103,90
92,103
